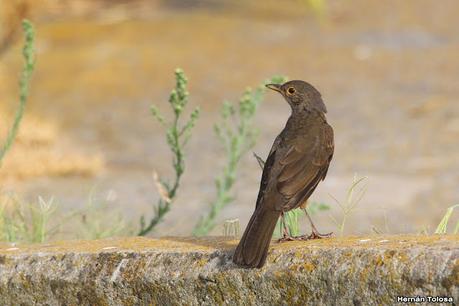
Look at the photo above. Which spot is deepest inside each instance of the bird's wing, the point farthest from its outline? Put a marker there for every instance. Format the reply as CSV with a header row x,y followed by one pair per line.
x,y
267,171
302,168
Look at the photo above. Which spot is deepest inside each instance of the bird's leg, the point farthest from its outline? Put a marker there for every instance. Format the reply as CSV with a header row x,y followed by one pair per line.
x,y
315,233
285,228
286,234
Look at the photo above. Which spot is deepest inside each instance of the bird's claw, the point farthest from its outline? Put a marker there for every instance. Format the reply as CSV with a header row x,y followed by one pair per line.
x,y
317,235
314,235
286,238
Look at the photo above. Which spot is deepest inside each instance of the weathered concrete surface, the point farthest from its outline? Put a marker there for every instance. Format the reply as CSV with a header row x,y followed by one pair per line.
x,y
180,271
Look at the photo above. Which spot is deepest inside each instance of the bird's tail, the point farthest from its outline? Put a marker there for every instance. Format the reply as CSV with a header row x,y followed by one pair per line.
x,y
254,244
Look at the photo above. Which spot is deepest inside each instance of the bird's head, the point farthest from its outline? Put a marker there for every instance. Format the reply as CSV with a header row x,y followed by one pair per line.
x,y
300,95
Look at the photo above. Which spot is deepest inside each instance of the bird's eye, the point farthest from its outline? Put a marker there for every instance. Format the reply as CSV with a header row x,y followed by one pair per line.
x,y
291,90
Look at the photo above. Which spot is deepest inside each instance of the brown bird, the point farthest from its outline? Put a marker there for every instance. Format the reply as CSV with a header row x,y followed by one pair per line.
x,y
297,162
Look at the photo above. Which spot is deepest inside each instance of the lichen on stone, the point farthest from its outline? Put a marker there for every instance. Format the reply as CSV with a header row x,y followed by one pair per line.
x,y
187,271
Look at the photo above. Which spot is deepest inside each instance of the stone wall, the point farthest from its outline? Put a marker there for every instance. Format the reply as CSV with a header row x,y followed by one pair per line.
x,y
184,271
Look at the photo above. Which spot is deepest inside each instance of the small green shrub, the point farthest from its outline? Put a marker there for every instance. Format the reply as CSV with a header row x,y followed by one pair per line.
x,y
35,222
292,223
99,220
22,221
236,133
354,195
293,218
443,225
29,63
177,137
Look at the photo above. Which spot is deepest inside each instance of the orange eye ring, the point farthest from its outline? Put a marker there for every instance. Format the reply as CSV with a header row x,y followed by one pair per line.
x,y
291,90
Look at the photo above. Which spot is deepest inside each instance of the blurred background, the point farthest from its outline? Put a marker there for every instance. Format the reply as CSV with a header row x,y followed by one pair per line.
x,y
388,72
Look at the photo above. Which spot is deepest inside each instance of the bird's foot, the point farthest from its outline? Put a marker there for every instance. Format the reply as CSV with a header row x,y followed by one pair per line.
x,y
286,238
317,235
312,236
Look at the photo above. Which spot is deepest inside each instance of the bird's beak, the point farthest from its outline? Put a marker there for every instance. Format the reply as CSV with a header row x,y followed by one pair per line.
x,y
275,87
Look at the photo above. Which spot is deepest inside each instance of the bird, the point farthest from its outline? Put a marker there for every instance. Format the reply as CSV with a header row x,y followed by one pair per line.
x,y
298,160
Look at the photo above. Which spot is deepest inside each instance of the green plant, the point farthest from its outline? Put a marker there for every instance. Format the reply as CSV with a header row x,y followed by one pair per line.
x,y
386,230
236,133
443,225
98,220
24,221
40,217
292,218
177,137
36,222
315,207
29,62
12,224
357,188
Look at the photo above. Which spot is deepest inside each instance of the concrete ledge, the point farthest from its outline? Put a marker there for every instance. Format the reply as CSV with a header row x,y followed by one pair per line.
x,y
181,271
